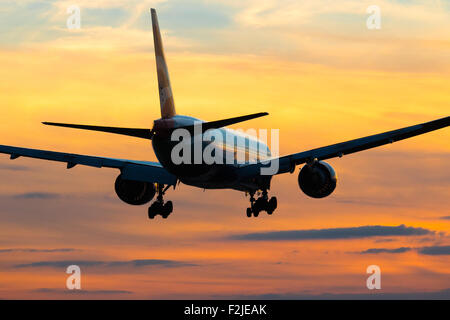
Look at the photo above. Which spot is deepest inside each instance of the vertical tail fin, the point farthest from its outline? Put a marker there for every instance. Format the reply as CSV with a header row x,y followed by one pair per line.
x,y
165,90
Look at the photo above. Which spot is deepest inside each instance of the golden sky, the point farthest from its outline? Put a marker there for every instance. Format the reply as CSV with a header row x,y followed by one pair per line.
x,y
322,76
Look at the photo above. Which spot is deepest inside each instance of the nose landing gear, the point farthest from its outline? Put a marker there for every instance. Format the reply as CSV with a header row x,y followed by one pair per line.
x,y
261,204
159,207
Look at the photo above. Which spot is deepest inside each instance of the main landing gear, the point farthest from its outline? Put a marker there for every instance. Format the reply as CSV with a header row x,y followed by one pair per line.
x,y
261,204
159,207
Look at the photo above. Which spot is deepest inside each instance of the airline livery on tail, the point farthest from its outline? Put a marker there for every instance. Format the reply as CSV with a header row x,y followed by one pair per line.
x,y
139,181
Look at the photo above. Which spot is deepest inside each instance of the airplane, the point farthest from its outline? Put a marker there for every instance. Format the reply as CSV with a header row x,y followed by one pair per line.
x,y
140,181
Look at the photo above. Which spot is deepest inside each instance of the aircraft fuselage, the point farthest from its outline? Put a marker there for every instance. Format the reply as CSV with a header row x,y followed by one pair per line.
x,y
196,171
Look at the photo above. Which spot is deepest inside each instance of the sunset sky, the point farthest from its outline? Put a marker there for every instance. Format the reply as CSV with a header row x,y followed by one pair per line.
x,y
322,75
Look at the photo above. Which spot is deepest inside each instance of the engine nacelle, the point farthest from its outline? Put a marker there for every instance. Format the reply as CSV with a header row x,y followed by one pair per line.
x,y
134,192
317,180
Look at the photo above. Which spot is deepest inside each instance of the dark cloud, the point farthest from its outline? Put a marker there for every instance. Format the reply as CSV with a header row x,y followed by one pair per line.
x,y
100,292
94,263
152,262
37,195
31,250
435,250
432,250
13,167
385,250
335,233
373,295
60,264
445,218
384,240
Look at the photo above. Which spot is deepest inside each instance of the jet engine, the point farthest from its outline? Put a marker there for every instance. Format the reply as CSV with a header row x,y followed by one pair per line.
x,y
134,192
317,180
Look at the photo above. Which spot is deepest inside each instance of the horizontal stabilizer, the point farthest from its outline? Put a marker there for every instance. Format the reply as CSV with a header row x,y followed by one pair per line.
x,y
133,132
225,122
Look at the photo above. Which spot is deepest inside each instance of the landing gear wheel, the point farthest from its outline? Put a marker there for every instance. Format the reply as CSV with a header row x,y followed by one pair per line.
x,y
159,207
258,206
169,206
151,212
271,205
167,209
263,203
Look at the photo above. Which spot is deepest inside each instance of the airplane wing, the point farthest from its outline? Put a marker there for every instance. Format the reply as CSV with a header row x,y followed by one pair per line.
x,y
152,172
288,163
